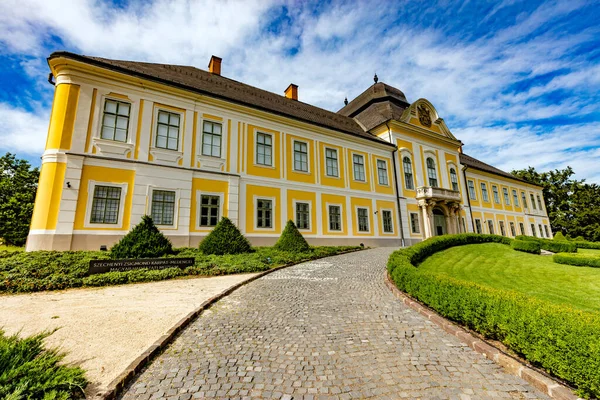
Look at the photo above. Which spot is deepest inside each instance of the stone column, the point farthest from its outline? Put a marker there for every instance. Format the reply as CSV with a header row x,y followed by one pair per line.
x,y
426,221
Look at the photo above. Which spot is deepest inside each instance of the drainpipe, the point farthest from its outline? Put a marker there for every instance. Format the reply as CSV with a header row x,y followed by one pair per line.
x,y
464,170
402,243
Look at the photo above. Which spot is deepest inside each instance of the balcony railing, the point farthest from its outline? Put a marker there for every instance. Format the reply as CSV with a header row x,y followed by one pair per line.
x,y
434,193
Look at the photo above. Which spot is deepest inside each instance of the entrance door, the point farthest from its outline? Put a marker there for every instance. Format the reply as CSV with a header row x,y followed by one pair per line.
x,y
439,223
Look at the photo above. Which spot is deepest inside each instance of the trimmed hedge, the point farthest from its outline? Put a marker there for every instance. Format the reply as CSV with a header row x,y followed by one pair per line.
x,y
559,236
578,260
587,245
551,245
560,339
291,239
143,241
526,246
225,238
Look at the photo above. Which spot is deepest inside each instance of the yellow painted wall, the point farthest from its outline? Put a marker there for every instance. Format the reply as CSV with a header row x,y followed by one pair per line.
x,y
207,186
62,117
301,196
332,199
414,208
261,170
104,175
328,180
385,189
363,203
49,193
387,205
358,185
299,176
253,191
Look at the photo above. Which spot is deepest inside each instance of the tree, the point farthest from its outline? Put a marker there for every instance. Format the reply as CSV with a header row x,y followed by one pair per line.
x,y
18,184
143,241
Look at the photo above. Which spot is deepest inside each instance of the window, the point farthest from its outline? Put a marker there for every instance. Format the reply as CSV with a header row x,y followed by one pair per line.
x,y
264,149
302,215
515,198
359,167
388,224
264,211
541,231
300,156
211,139
209,210
431,172
415,225
539,199
363,219
167,130
163,207
335,218
478,226
502,230
506,197
454,179
471,186
521,228
464,225
524,199
382,174
105,205
513,231
547,231
331,162
496,195
533,229
532,201
408,173
491,226
484,192
115,121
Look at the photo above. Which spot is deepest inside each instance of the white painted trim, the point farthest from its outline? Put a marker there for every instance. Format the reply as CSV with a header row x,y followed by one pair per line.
x,y
310,213
368,208
352,154
90,199
199,194
307,172
393,232
341,206
165,155
377,159
255,199
150,194
255,155
418,214
337,160
42,231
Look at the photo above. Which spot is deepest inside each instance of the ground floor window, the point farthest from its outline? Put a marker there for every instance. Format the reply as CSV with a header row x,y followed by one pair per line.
x,y
502,230
209,210
464,225
163,207
302,215
363,219
541,231
513,232
415,225
335,218
105,205
478,226
522,228
388,225
547,231
264,213
533,229
491,226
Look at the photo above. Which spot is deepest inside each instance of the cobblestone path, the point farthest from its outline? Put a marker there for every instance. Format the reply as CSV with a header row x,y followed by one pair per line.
x,y
324,329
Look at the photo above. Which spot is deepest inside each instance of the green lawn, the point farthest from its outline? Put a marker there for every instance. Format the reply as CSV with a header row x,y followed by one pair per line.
x,y
499,266
4,247
592,252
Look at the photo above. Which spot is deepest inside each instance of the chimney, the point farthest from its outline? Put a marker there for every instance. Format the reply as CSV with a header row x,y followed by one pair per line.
x,y
292,92
214,66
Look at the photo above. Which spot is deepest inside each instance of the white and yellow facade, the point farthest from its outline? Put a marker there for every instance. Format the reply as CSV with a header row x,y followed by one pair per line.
x,y
121,145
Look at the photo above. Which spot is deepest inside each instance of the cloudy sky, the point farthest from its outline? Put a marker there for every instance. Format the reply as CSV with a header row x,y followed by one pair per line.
x,y
517,81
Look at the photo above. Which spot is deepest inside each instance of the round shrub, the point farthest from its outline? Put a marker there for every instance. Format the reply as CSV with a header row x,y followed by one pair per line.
x,y
144,241
526,246
292,240
225,238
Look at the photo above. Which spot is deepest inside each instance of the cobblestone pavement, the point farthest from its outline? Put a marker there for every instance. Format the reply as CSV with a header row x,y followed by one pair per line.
x,y
327,329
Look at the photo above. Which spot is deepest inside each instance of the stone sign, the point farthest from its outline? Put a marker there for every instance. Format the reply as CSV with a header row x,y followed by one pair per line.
x,y
102,266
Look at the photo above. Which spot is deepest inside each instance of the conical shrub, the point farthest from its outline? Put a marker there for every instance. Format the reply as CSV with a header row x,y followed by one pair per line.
x,y
292,240
559,236
225,238
144,241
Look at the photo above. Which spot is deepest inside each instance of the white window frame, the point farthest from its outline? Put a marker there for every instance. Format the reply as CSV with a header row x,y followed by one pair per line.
x,y
368,220
474,197
502,228
299,171
256,164
485,194
412,170
480,226
221,146
255,199
310,215
496,195
337,161
513,229
88,209
387,177
452,166
492,231
381,210
341,207
364,165
506,195
515,194
418,222
149,195
108,146
158,109
199,194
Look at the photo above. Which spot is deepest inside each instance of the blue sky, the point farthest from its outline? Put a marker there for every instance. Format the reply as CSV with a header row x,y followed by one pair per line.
x,y
517,81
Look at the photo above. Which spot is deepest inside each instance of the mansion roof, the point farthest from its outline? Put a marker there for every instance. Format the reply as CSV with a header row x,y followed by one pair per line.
x,y
480,165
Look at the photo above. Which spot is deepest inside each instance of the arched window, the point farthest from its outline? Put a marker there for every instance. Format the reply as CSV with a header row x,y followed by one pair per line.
x,y
454,179
431,172
408,173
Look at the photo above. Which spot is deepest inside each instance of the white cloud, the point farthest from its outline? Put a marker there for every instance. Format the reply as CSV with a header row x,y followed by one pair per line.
x,y
22,131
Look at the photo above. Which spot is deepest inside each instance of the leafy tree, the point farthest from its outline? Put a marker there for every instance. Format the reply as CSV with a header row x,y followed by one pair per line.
x,y
225,238
292,240
18,184
143,241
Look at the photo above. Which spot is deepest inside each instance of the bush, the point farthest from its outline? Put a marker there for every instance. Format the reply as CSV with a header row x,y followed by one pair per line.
x,y
587,245
225,238
551,245
292,240
559,236
579,260
526,246
29,371
579,239
144,241
558,338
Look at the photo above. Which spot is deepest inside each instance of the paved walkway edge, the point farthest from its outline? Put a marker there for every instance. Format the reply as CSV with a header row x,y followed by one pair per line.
x,y
514,366
117,385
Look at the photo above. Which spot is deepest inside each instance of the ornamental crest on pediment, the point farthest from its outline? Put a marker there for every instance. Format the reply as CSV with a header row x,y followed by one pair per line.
x,y
424,115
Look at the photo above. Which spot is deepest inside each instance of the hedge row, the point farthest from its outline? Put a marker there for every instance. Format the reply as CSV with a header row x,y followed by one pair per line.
x,y
579,260
587,245
526,246
560,339
555,246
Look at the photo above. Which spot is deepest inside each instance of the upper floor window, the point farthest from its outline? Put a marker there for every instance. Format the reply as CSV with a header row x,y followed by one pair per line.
x,y
532,200
382,174
496,194
167,130
388,224
115,121
506,197
363,219
471,187
209,210
331,162
211,139
515,198
431,172
524,198
302,215
264,211
539,199
264,149
163,207
484,192
300,156
408,173
359,167
105,205
454,179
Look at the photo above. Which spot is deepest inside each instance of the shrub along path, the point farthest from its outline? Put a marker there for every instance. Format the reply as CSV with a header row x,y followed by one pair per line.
x,y
327,328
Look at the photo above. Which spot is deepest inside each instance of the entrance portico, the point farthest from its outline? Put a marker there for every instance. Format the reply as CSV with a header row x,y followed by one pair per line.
x,y
440,209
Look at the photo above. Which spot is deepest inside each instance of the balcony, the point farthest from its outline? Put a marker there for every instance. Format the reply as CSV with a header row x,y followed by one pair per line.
x,y
434,193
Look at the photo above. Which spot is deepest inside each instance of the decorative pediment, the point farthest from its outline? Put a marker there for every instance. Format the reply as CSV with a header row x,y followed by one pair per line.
x,y
423,114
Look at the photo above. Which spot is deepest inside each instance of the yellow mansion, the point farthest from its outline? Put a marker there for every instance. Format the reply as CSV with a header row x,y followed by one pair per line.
x,y
189,146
